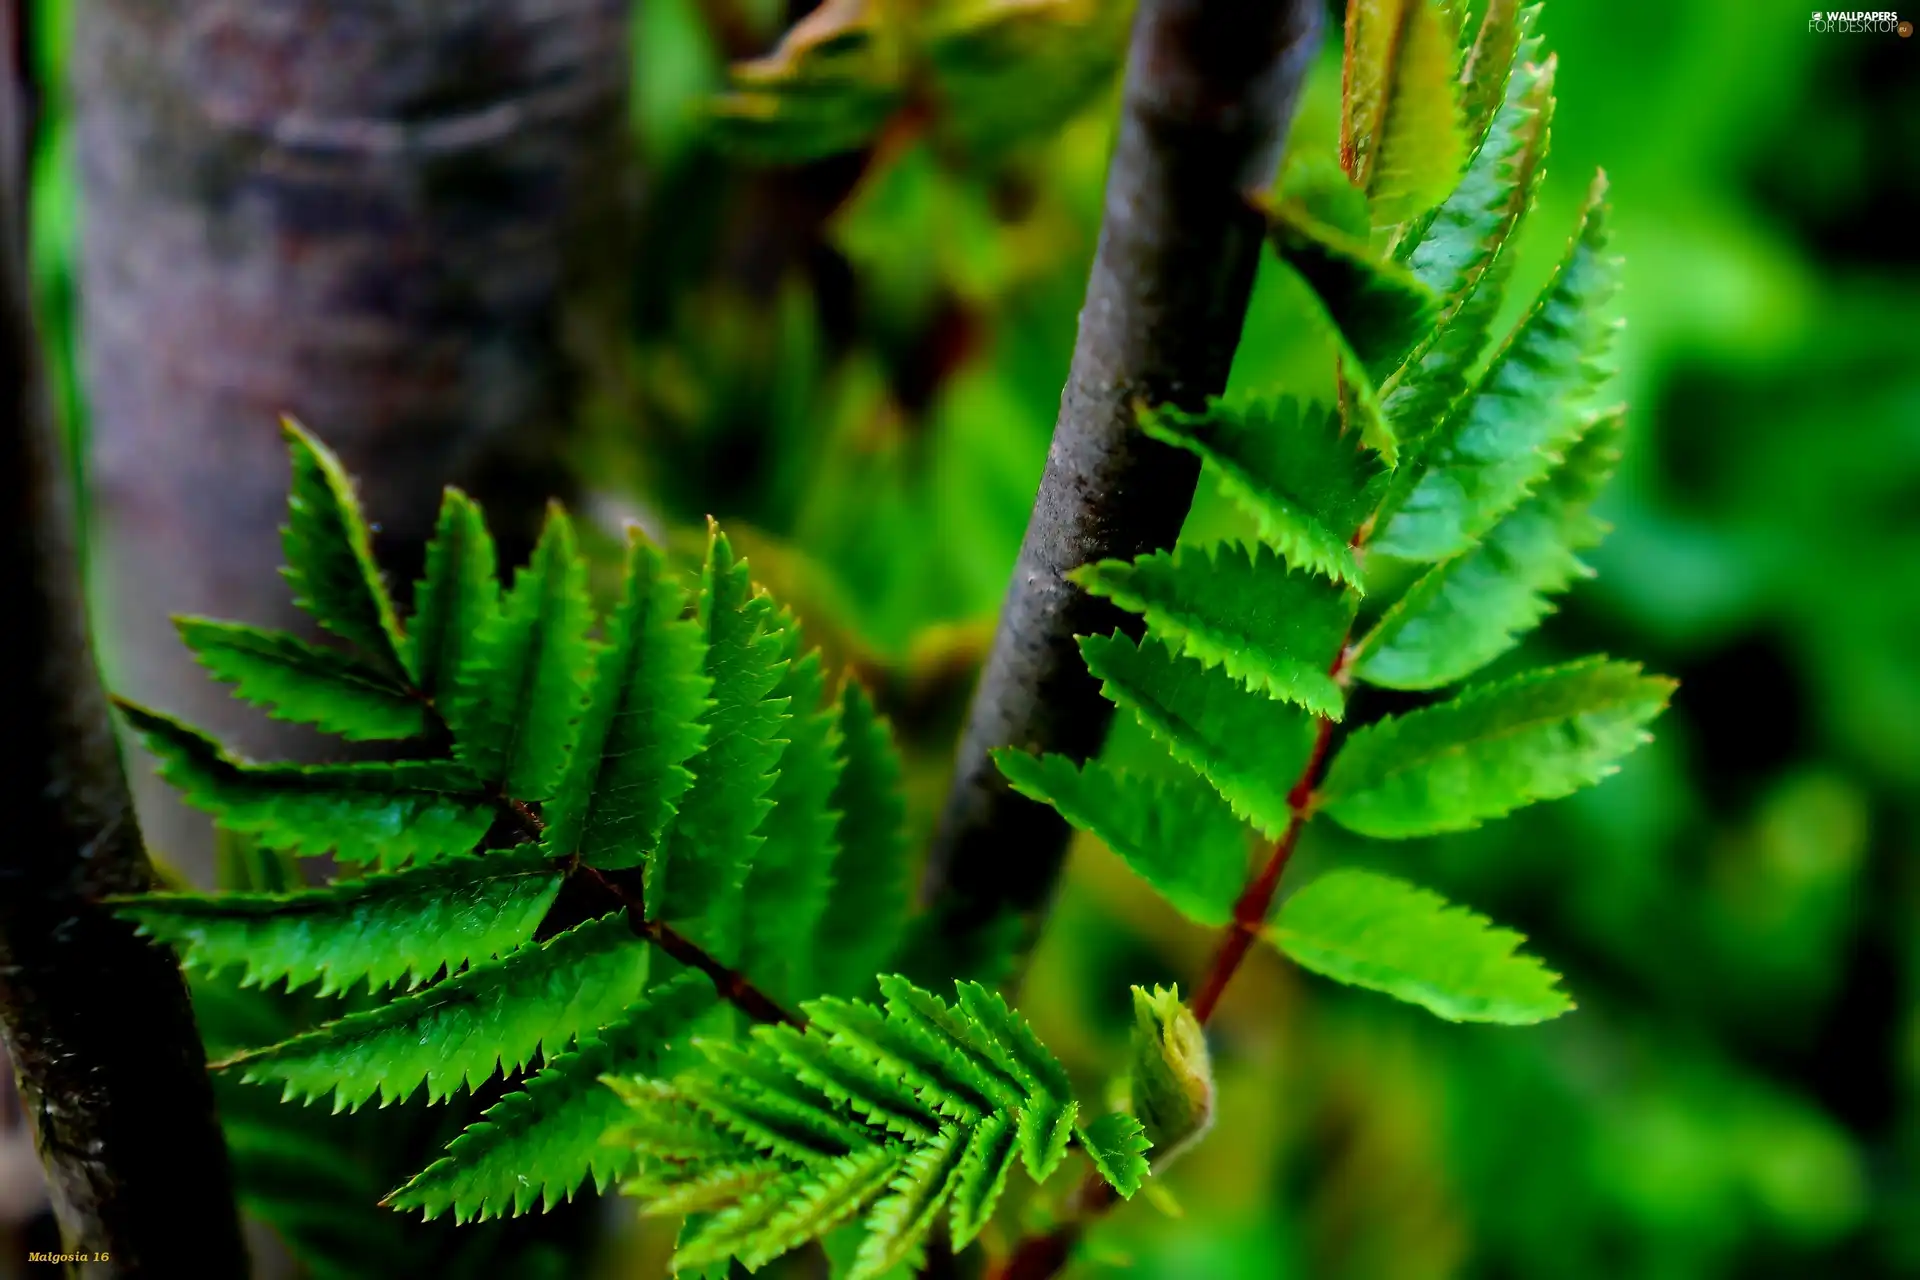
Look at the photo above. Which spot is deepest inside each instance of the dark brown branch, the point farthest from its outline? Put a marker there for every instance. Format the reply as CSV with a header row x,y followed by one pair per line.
x,y
733,986
105,1051
1210,91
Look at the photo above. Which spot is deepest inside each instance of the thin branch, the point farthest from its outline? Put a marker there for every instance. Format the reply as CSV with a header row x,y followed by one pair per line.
x,y
1041,1256
733,986
97,1021
1210,91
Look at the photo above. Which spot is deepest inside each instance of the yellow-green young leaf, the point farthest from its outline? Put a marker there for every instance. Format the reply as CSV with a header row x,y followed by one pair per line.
x,y
1386,935
1249,746
629,769
520,692
1009,71
792,875
536,1147
1400,135
1269,625
1117,1143
830,85
376,813
458,597
1170,1073
457,1034
1491,750
867,904
1424,391
1307,484
984,1168
1174,832
1465,612
384,929
1380,309
330,554
697,874
304,683
1503,438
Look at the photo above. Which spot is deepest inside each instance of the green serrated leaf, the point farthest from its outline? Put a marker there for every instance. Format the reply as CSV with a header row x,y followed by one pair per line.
x,y
984,1168
1503,438
1493,749
457,1034
1176,834
629,770
1465,612
329,554
867,905
1374,931
382,930
1400,135
1378,306
1502,46
700,870
1476,222
1308,485
380,813
1117,1143
458,598
783,1138
536,1147
1269,625
792,875
303,683
520,693
898,1227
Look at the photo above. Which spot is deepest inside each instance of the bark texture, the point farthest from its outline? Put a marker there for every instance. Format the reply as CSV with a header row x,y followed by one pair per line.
x,y
391,218
105,1052
1210,90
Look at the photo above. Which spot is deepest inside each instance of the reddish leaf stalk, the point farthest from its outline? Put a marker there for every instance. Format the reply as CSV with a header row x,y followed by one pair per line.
x,y
733,986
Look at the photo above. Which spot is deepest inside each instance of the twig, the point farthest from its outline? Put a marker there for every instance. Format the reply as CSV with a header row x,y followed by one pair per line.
x,y
1039,1257
733,986
1210,92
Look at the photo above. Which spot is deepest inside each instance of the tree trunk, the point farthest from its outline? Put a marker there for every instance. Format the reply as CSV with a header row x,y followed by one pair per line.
x,y
384,217
97,1022
1210,91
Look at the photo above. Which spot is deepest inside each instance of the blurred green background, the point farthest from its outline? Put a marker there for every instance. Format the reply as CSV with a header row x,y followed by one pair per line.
x,y
856,367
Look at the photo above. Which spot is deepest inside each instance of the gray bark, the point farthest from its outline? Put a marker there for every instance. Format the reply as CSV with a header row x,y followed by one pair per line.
x,y
108,1062
1211,87
389,218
